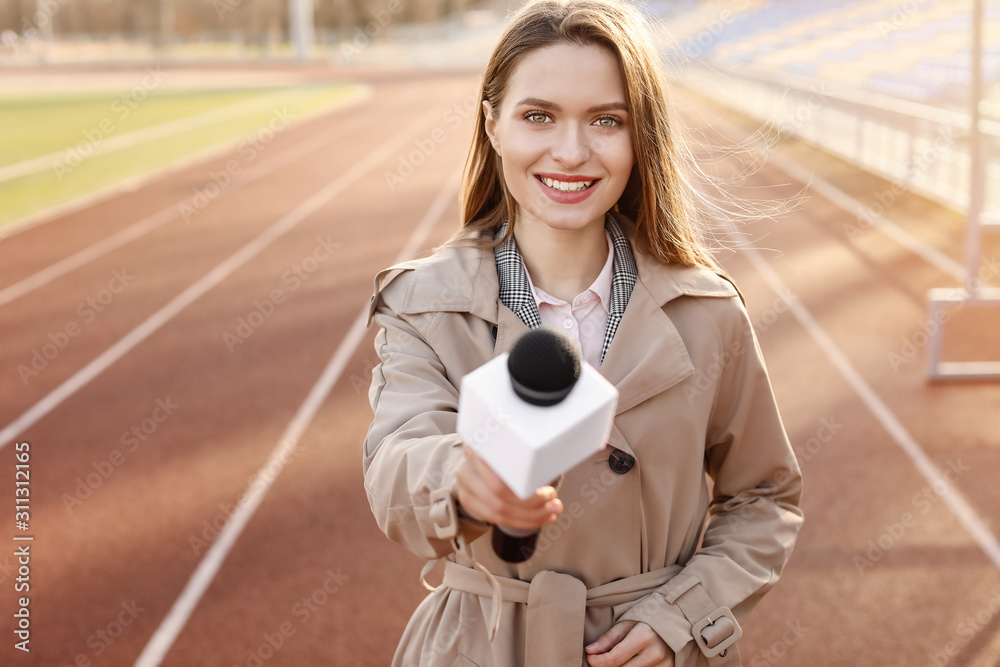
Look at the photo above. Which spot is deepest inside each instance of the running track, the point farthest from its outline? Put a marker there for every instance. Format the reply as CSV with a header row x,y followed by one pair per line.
x,y
196,492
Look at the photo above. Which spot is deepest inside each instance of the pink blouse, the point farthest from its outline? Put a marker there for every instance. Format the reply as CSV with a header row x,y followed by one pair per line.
x,y
587,317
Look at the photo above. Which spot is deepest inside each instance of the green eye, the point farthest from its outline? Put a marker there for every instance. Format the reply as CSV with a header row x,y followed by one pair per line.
x,y
607,122
537,117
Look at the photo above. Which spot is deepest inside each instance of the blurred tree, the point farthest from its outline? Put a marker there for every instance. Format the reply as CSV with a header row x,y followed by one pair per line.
x,y
160,20
165,33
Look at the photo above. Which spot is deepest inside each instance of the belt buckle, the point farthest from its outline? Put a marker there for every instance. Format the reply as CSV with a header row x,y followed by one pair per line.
x,y
718,621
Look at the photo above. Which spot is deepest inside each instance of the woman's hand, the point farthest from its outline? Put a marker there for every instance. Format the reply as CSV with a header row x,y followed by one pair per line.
x,y
632,643
485,497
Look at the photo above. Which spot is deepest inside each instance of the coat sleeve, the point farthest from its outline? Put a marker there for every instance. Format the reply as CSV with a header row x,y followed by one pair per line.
x,y
412,448
754,515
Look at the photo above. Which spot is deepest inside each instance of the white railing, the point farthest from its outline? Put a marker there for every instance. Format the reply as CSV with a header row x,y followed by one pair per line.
x,y
919,148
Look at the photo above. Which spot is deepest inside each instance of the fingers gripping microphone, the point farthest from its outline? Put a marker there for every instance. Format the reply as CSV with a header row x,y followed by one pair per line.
x,y
532,415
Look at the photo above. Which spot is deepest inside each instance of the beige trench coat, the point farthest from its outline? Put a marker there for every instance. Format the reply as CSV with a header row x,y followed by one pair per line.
x,y
696,413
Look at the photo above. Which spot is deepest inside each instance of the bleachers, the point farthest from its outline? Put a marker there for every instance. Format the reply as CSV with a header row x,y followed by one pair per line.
x,y
923,55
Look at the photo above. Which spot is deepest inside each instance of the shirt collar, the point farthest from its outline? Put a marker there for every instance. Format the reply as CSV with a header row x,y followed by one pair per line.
x,y
600,287
516,293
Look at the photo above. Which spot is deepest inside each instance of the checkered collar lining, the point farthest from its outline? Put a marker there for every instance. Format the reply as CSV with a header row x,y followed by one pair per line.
x,y
515,290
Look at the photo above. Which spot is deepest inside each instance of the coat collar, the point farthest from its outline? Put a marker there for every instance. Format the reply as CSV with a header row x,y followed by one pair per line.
x,y
456,278
515,283
647,356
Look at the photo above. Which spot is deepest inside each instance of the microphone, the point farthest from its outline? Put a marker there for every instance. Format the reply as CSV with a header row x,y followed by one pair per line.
x,y
532,415
544,366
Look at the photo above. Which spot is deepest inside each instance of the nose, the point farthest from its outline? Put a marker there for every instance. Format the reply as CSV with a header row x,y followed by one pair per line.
x,y
571,146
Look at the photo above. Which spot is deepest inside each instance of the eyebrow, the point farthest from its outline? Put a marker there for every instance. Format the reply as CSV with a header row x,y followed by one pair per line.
x,y
545,104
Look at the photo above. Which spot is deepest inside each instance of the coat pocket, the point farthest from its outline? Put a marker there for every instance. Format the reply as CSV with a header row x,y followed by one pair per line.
x,y
462,661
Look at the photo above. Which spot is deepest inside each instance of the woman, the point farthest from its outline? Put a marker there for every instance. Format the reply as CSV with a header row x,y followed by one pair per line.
x,y
576,214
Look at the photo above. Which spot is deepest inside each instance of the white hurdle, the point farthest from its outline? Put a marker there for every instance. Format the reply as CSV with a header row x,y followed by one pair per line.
x,y
974,293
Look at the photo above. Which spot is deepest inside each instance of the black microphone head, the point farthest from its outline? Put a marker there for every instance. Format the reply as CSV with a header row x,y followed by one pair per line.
x,y
544,365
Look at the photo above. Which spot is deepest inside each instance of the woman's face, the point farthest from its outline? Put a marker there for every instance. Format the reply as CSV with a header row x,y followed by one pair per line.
x,y
563,134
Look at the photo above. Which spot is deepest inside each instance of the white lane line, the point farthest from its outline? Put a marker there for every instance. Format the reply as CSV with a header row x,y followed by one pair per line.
x,y
863,214
959,506
168,213
152,133
210,280
135,182
185,605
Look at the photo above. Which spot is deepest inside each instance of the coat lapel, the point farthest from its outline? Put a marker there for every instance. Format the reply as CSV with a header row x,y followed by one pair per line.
x,y
647,355
509,329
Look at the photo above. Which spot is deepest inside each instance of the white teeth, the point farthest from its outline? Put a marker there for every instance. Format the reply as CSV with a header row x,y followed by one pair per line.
x,y
562,186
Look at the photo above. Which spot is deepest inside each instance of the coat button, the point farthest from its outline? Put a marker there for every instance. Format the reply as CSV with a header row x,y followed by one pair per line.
x,y
620,462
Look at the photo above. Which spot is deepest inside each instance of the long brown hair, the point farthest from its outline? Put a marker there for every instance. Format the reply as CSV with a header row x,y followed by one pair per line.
x,y
658,197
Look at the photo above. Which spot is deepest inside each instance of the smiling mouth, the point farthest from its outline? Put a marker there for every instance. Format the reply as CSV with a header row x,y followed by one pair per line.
x,y
563,186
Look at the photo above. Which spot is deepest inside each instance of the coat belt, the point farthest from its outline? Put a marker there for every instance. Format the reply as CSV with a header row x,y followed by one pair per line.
x,y
556,604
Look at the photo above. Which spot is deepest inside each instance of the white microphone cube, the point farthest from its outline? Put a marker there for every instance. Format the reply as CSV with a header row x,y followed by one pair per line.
x,y
529,446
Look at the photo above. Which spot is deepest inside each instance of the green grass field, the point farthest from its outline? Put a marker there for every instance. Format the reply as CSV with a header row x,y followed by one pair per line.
x,y
84,142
